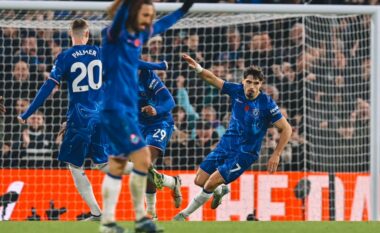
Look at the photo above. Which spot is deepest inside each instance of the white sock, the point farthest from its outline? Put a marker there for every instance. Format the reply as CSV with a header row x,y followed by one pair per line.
x,y
151,199
137,185
127,169
169,181
218,189
197,202
84,188
110,191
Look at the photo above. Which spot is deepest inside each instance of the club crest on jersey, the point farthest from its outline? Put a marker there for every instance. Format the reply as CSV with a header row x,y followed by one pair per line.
x,y
134,139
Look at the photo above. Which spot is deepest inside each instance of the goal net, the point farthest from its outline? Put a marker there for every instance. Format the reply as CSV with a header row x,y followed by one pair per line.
x,y
317,69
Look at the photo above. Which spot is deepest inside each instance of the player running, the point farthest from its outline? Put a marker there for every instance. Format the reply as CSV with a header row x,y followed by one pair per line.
x,y
253,112
121,48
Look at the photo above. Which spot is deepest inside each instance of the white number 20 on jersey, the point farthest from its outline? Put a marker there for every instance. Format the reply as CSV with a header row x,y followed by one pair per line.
x,y
89,72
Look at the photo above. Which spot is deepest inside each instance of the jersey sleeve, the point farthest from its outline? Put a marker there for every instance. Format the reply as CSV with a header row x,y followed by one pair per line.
x,y
274,111
155,84
230,89
119,20
58,70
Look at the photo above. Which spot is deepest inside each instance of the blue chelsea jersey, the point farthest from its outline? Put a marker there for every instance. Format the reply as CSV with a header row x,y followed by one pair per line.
x,y
81,67
120,59
149,86
250,119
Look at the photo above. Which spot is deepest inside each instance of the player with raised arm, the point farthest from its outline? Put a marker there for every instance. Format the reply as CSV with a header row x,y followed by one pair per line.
x,y
122,42
253,112
81,67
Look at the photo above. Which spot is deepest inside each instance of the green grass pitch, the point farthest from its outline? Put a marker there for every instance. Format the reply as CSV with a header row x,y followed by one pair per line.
x,y
200,227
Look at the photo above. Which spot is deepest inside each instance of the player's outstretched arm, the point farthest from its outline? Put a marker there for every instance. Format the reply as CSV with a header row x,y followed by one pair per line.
x,y
143,65
285,133
40,98
119,19
166,22
206,75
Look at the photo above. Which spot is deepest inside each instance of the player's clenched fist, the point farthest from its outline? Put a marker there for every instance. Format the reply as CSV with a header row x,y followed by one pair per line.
x,y
151,111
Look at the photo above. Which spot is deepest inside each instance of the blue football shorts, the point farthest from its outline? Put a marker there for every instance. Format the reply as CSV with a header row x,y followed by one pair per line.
x,y
80,143
230,163
122,131
157,135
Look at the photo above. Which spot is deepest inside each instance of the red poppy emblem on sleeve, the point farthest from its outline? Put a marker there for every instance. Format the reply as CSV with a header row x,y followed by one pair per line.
x,y
246,108
137,42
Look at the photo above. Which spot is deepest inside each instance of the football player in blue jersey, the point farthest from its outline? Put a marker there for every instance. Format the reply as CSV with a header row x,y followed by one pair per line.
x,y
253,112
122,42
156,124
81,67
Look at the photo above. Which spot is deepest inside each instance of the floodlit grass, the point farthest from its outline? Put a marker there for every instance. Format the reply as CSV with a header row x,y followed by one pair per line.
x,y
200,227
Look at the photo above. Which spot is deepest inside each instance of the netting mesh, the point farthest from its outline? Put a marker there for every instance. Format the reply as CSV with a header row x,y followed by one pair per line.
x,y
317,70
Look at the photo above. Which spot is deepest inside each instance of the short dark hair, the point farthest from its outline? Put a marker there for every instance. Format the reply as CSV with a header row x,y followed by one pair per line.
x,y
79,24
255,71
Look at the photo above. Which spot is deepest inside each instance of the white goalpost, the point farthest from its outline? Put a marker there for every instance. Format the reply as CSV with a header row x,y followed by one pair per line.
x,y
322,67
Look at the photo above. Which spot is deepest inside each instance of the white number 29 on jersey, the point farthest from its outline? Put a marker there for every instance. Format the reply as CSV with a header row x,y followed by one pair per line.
x,y
89,72
160,134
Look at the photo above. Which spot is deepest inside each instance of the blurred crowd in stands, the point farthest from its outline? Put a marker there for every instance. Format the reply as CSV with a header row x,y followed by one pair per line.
x,y
320,81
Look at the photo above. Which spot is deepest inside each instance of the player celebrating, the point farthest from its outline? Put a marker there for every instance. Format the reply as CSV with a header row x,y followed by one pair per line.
x,y
252,113
81,67
121,48
156,124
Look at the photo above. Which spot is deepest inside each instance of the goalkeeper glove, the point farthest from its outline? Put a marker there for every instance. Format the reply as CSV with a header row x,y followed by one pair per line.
x,y
187,5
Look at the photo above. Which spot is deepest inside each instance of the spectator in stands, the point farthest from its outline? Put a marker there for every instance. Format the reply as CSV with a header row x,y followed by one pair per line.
x,y
178,143
180,133
296,41
272,91
232,50
190,46
9,40
155,45
208,114
201,146
210,95
35,140
28,53
360,119
182,100
18,86
55,50
260,52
